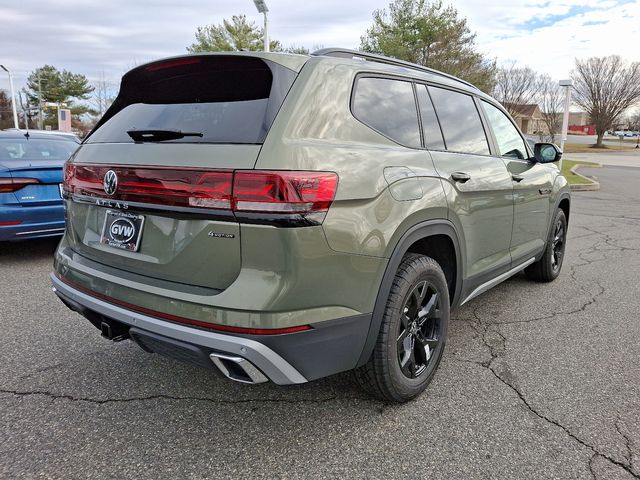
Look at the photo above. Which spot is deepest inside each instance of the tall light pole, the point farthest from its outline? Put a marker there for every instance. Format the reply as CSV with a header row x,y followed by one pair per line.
x,y
262,8
566,84
13,97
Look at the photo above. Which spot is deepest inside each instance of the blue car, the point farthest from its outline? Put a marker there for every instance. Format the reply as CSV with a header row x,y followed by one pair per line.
x,y
31,171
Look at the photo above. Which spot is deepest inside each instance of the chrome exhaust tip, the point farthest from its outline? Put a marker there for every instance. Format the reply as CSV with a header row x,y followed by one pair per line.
x,y
237,368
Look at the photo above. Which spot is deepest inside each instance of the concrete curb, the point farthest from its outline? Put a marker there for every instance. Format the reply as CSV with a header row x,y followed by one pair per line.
x,y
589,187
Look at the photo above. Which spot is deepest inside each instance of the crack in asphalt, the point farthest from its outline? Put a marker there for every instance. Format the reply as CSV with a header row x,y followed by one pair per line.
x,y
495,342
627,442
625,466
72,398
580,309
610,241
593,473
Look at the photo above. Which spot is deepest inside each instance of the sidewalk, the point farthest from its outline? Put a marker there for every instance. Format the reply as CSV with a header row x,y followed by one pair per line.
x,y
618,159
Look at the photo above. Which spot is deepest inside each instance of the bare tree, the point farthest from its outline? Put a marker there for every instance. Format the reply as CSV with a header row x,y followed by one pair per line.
x,y
515,86
550,99
103,95
605,87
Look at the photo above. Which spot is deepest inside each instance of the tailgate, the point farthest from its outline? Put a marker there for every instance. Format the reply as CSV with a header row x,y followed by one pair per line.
x,y
150,189
176,241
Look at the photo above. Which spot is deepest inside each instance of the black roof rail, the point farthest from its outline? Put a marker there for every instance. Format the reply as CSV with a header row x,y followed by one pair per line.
x,y
346,53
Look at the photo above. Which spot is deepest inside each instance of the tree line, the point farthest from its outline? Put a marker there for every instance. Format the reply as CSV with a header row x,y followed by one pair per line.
x,y
419,31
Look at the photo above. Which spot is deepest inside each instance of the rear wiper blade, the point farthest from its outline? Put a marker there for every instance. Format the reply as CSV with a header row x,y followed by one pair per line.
x,y
160,135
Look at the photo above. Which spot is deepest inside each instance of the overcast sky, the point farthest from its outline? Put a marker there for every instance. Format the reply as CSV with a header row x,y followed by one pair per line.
x,y
111,36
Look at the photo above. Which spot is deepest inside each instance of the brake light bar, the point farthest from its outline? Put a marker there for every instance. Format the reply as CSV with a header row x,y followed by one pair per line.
x,y
172,64
165,186
9,185
249,191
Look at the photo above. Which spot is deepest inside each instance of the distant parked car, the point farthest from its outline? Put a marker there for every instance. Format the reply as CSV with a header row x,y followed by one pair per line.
x,y
31,167
67,135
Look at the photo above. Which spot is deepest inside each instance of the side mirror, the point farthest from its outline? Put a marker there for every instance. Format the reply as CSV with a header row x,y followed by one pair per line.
x,y
546,153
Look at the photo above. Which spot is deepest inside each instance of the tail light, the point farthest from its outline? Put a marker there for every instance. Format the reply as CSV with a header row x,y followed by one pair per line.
x,y
284,192
9,185
163,186
242,191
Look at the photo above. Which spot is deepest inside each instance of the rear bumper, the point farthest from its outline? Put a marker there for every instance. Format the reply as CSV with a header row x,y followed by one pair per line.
x,y
35,222
330,347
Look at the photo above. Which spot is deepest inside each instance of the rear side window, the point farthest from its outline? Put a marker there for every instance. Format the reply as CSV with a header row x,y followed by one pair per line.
x,y
460,121
388,106
430,128
227,99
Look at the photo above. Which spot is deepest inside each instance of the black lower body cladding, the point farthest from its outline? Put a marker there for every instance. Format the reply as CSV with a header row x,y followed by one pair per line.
x,y
325,349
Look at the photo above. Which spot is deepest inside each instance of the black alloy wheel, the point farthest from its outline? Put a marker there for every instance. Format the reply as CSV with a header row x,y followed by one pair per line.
x,y
559,236
419,327
413,332
547,268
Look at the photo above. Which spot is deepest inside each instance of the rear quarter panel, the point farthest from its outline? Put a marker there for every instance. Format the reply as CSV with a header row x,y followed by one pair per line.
x,y
315,130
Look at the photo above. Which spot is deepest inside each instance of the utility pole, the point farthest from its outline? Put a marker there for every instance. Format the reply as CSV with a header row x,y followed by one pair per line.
x,y
262,8
13,97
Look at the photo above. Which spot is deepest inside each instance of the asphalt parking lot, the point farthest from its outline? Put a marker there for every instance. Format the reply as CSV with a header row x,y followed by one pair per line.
x,y
538,381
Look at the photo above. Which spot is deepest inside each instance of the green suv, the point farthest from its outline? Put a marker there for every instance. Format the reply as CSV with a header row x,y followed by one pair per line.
x,y
287,217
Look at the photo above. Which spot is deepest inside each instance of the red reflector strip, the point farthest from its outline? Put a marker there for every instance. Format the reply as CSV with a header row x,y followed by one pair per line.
x,y
10,223
183,320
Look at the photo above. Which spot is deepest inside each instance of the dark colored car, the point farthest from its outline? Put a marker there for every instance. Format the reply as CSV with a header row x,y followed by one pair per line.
x,y
31,167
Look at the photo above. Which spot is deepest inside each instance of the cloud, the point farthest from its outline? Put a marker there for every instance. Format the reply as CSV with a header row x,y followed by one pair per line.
x,y
92,37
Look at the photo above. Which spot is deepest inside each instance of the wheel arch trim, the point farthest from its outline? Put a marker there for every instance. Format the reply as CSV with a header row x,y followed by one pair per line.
x,y
415,233
556,205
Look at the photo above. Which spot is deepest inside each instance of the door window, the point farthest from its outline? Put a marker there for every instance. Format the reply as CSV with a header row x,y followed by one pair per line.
x,y
510,142
460,121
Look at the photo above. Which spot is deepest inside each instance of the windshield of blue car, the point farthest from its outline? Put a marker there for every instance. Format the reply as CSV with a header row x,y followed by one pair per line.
x,y
35,149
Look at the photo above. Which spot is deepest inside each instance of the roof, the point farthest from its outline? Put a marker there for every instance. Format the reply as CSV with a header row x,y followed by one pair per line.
x,y
40,134
360,55
526,110
421,74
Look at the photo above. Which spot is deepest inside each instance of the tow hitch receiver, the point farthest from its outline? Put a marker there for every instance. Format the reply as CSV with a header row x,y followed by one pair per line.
x,y
114,331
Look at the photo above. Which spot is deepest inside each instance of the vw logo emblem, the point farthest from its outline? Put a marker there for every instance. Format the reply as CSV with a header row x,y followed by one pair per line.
x,y
110,182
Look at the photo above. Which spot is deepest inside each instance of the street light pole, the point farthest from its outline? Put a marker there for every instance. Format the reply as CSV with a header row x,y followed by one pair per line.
x,y
13,97
262,8
566,84
266,32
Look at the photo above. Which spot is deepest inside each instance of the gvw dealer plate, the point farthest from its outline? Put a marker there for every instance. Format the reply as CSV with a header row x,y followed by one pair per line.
x,y
122,230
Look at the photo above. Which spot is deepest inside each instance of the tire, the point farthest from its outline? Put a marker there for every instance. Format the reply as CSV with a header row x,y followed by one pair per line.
x,y
548,267
412,335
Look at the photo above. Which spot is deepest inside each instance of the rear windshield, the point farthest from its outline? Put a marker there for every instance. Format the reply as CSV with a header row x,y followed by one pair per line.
x,y
226,99
35,149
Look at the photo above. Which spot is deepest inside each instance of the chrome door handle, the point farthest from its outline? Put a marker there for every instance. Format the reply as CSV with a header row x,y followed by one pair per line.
x,y
460,177
517,178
